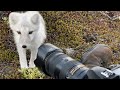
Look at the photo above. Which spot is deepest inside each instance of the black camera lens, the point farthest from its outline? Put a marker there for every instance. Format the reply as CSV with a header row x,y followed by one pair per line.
x,y
44,51
55,63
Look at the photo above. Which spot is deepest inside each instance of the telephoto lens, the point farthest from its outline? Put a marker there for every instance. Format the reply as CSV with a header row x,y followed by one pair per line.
x,y
58,65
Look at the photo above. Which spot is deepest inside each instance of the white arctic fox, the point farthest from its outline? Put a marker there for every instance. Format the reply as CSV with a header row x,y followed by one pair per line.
x,y
29,33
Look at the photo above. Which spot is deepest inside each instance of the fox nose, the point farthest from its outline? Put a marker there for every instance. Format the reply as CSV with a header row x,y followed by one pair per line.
x,y
24,46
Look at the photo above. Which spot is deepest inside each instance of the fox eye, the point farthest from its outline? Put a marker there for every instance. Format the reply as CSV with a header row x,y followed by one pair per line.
x,y
30,32
18,32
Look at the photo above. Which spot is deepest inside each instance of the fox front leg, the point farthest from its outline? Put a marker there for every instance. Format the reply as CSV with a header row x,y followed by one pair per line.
x,y
22,57
33,57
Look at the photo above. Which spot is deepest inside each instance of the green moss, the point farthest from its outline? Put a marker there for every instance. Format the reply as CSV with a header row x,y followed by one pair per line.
x,y
31,73
59,27
8,55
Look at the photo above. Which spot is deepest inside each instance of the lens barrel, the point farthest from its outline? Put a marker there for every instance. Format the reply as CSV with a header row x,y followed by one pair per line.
x,y
55,63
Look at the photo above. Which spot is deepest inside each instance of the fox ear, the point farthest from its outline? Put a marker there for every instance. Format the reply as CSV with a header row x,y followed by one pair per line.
x,y
35,19
13,18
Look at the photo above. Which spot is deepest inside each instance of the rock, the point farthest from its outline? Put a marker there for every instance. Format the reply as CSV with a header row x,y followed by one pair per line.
x,y
99,55
90,37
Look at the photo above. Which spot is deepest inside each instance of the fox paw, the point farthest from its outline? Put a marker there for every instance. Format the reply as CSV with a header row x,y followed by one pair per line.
x,y
24,67
31,65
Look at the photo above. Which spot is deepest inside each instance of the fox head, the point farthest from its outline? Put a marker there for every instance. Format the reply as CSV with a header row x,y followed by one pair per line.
x,y
25,26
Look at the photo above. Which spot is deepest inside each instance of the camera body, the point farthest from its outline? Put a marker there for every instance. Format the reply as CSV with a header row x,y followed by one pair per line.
x,y
58,65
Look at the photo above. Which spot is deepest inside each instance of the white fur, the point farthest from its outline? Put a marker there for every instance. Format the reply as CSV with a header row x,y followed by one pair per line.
x,y
24,23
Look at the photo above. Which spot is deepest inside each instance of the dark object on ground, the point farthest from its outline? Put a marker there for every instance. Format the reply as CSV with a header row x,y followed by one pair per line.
x,y
55,63
99,55
90,37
